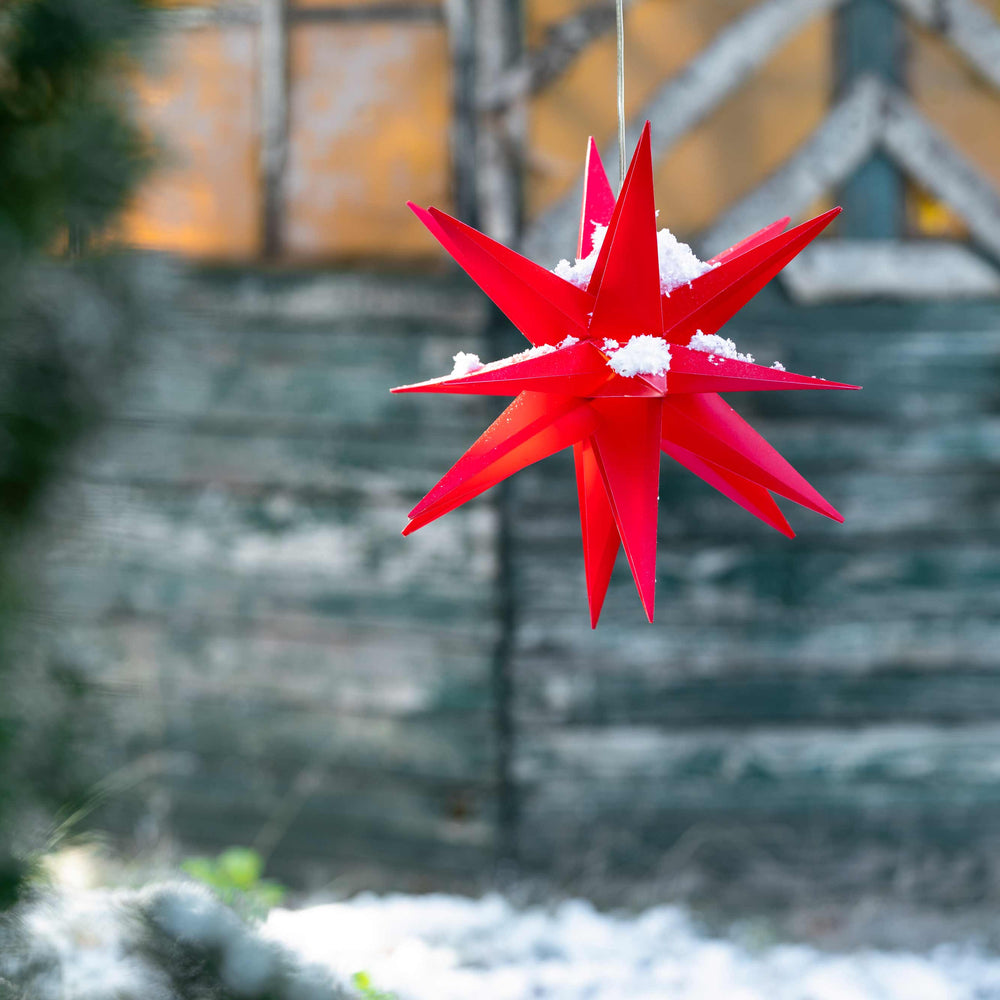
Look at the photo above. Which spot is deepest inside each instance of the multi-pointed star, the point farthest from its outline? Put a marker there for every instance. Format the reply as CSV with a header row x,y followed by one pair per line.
x,y
611,374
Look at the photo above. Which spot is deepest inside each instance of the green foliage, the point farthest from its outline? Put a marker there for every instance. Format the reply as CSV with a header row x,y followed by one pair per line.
x,y
366,990
71,152
71,156
236,877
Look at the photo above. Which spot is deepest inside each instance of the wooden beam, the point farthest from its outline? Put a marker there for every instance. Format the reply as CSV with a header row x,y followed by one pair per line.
x,y
564,41
871,118
847,137
187,18
846,270
273,83
968,25
460,18
687,99
501,134
931,160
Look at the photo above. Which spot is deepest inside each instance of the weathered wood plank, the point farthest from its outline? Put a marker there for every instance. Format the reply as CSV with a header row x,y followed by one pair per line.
x,y
624,796
237,297
742,583
324,457
307,456
289,371
795,764
735,697
397,670
706,647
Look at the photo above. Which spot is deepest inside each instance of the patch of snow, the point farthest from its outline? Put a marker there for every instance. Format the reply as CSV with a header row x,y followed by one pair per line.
x,y
465,364
679,265
779,366
89,946
447,948
580,272
723,347
642,355
531,352
610,345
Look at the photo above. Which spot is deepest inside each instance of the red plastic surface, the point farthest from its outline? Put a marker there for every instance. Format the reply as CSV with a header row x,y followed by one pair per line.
x,y
598,200
617,425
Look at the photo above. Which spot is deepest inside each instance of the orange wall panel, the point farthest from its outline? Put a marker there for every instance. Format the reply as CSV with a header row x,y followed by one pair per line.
x,y
370,110
199,103
957,102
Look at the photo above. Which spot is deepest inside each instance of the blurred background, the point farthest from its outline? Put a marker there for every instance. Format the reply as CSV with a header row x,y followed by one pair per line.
x,y
214,635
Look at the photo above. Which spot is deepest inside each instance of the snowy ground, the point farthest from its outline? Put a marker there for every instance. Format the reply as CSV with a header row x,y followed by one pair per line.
x,y
447,948
83,945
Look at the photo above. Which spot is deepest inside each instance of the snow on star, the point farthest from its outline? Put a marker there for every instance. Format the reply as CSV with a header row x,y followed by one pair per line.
x,y
625,363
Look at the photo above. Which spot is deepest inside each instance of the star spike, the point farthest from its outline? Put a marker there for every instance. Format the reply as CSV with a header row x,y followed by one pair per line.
x,y
540,304
597,525
602,257
708,426
530,429
627,443
577,369
754,239
716,296
700,371
748,495
598,200
628,297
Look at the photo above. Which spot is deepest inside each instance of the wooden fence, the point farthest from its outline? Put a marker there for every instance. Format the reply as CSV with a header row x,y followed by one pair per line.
x,y
816,712
813,711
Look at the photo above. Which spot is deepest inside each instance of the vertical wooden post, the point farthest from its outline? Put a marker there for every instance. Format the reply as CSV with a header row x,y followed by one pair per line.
x,y
487,147
870,41
273,103
501,133
460,17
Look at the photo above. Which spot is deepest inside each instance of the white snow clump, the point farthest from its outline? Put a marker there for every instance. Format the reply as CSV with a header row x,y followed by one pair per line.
x,y
579,273
642,355
712,343
679,264
465,364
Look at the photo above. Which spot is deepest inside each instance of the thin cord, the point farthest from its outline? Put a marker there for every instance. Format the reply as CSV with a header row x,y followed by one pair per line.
x,y
620,26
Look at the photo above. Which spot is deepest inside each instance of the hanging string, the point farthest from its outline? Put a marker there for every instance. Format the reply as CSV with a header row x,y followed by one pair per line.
x,y
620,26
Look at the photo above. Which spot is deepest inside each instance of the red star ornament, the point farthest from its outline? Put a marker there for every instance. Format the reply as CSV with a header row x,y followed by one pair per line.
x,y
571,388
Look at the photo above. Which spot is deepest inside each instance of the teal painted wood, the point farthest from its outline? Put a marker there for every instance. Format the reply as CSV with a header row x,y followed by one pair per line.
x,y
805,716
233,582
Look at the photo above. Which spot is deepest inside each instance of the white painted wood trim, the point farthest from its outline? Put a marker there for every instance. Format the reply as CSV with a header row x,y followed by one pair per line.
x,y
928,157
845,139
845,270
968,25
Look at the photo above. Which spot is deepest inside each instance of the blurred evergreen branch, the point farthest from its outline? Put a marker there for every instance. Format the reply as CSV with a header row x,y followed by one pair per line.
x,y
72,154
